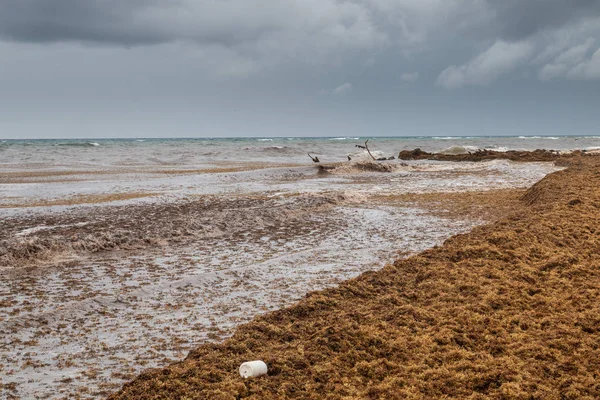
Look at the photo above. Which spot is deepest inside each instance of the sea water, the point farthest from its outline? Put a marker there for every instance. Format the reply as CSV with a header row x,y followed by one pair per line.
x,y
100,153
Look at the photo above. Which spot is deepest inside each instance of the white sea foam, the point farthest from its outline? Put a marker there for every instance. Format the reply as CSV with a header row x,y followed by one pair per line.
x,y
364,155
29,231
539,137
454,150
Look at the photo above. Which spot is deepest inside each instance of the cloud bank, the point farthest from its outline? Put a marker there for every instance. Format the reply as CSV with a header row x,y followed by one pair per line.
x,y
261,33
392,56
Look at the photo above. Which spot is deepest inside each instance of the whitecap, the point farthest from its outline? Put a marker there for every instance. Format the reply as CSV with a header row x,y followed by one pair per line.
x,y
75,144
539,137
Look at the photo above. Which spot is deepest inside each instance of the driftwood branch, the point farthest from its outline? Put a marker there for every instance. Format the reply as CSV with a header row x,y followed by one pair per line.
x,y
315,159
366,147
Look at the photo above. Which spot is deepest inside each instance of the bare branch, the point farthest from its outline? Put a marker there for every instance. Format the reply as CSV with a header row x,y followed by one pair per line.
x,y
315,159
366,147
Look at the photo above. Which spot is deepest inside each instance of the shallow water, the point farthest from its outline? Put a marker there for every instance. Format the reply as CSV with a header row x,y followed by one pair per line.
x,y
408,177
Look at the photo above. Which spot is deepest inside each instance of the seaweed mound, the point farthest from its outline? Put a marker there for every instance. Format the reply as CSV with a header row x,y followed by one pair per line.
x,y
487,155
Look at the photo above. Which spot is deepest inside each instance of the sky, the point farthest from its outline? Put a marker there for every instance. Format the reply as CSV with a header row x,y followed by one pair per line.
x,y
220,68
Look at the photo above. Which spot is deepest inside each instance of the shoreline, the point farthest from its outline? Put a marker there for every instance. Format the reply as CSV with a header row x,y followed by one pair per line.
x,y
509,310
94,294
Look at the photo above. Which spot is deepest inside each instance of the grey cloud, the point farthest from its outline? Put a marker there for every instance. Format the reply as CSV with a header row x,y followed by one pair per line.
x,y
571,59
245,36
520,19
536,32
416,23
260,33
131,22
342,89
228,23
109,21
498,60
588,69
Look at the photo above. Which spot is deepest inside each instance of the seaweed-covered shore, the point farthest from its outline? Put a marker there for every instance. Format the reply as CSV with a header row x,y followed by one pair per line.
x,y
509,310
487,155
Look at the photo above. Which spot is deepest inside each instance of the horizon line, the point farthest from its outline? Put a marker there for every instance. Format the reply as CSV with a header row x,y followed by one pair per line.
x,y
306,137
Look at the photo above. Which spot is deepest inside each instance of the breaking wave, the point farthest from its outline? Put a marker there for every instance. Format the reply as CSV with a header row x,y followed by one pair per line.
x,y
452,137
539,137
455,150
78,144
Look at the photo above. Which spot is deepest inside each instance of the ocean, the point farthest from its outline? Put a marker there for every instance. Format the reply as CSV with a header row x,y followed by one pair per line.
x,y
194,152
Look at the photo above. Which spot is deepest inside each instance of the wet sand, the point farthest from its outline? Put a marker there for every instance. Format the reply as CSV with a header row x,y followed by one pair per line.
x,y
97,287
509,310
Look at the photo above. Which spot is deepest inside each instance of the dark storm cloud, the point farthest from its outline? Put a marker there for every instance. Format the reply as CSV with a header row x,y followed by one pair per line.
x,y
228,22
120,22
519,19
66,20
